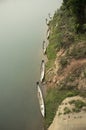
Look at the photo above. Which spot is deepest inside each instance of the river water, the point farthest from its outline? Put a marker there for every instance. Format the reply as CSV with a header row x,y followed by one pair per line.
x,y
22,30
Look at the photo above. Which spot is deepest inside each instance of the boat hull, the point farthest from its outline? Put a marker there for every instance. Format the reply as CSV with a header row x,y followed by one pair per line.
x,y
41,100
42,71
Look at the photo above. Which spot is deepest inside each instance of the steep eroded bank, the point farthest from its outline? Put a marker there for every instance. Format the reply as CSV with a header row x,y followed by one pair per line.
x,y
66,66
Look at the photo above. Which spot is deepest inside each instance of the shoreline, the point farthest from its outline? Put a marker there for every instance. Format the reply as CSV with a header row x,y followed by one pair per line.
x,y
71,121
63,76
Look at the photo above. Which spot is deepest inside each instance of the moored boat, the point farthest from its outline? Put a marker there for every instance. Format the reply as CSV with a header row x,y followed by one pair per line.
x,y
44,47
41,100
48,34
42,71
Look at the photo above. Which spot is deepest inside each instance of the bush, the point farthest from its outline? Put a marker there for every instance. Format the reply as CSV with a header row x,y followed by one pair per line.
x,y
67,110
76,110
78,105
63,62
59,113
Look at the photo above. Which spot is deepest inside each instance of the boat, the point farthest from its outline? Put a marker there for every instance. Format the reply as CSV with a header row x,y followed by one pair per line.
x,y
48,34
47,22
42,71
41,100
44,47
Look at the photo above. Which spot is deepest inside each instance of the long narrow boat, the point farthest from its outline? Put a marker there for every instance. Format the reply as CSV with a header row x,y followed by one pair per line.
x,y
44,47
48,34
42,71
41,100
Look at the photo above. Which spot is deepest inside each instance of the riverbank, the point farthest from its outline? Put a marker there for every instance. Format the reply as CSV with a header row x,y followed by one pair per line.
x,y
70,120
65,70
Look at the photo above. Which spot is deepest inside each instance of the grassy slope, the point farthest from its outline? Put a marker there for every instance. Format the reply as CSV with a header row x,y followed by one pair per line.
x,y
63,36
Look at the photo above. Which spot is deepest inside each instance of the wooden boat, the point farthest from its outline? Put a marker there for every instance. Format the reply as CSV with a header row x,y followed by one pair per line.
x,y
44,47
41,101
48,34
42,71
47,22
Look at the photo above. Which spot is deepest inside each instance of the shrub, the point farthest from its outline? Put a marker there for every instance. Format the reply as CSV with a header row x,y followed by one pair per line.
x,y
76,110
63,61
78,105
59,113
67,110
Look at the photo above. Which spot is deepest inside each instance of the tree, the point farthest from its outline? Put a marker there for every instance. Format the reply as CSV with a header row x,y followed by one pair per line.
x,y
78,9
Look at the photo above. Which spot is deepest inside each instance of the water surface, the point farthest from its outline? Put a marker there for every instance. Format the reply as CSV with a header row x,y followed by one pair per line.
x,y
22,30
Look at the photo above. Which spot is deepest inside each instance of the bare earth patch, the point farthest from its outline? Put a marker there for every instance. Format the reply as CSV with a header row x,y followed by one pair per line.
x,y
72,120
73,65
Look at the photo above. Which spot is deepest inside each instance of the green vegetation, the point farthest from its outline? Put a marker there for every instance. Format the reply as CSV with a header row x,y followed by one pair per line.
x,y
63,61
67,110
55,97
55,43
51,52
67,35
77,9
59,113
72,93
63,34
76,110
53,100
78,105
71,102
49,64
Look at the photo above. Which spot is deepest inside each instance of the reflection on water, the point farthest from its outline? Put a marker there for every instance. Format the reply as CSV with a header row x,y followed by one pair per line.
x,y
22,28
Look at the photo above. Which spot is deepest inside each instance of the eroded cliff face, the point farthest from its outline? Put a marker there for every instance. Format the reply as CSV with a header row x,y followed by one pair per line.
x,y
65,69
68,72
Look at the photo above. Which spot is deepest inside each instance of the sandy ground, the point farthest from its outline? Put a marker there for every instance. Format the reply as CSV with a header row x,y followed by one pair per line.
x,y
72,121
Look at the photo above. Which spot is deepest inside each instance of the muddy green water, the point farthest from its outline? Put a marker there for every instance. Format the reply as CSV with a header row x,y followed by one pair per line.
x,y
22,30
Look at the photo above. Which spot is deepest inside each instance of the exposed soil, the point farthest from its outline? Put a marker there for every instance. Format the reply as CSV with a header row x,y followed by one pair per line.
x,y
70,68
71,121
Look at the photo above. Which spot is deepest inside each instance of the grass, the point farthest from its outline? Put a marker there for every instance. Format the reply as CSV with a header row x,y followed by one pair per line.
x,y
53,100
49,64
55,97
51,52
60,38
